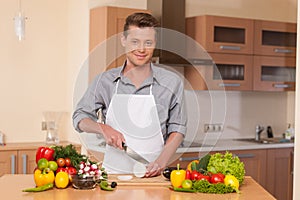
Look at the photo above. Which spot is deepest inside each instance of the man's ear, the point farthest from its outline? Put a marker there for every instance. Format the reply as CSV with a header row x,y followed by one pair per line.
x,y
123,40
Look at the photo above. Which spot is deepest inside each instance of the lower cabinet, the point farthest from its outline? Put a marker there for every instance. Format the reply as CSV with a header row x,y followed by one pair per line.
x,y
17,161
271,168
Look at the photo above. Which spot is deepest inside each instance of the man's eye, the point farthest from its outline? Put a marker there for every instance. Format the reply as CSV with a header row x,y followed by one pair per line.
x,y
149,43
134,42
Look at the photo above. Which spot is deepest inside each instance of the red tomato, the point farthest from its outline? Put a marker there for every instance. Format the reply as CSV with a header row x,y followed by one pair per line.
x,y
68,162
204,177
216,178
71,170
222,175
195,175
61,169
61,162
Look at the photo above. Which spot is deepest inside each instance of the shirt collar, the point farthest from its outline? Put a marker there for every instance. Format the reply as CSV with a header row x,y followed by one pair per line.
x,y
155,74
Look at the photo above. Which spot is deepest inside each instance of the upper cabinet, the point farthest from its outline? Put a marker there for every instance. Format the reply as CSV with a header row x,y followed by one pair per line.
x,y
246,54
275,38
222,34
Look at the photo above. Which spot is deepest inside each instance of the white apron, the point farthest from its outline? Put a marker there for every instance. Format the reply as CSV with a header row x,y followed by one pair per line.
x,y
136,117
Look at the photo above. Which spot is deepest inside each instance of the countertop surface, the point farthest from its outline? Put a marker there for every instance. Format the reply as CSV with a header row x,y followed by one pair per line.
x,y
12,185
232,144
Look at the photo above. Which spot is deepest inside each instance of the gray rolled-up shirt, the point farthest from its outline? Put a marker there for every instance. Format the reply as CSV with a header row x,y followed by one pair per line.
x,y
167,89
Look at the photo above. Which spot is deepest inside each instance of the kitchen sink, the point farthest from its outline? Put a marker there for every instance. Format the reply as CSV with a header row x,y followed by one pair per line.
x,y
266,140
187,144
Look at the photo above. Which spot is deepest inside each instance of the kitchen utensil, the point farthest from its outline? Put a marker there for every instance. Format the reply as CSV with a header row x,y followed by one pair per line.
x,y
136,181
270,132
134,155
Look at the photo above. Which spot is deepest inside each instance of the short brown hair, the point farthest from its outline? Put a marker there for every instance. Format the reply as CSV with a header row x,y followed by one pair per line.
x,y
140,20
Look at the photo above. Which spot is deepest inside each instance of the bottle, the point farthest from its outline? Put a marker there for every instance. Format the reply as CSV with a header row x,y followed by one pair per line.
x,y
289,132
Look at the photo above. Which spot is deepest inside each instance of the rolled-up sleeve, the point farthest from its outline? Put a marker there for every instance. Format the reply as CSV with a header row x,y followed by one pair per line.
x,y
177,113
88,106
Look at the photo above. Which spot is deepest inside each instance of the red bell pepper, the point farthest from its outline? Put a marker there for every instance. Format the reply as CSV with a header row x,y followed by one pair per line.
x,y
44,152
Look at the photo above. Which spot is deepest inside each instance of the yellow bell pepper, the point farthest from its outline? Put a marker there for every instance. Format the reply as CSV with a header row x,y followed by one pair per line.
x,y
177,176
43,177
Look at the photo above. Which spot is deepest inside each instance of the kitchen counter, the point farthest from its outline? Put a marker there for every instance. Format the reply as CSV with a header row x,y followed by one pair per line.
x,y
12,185
233,144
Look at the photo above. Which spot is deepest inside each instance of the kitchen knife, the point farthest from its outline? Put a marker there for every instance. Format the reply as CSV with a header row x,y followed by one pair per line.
x,y
134,155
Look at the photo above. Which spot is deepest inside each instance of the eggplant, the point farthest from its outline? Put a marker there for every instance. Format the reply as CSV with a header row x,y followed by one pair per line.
x,y
167,172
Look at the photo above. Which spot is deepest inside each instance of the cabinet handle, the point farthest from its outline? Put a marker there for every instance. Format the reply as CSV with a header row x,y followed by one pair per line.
x,y
276,50
292,163
226,47
24,163
246,155
282,85
188,158
229,84
13,164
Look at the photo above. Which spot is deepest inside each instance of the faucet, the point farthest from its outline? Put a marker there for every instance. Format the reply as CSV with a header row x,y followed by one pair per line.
x,y
258,130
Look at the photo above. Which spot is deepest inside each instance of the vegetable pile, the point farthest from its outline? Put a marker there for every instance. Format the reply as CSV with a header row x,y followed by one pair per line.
x,y
58,165
217,173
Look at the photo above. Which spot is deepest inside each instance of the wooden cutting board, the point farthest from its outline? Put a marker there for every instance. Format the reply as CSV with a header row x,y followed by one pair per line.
x,y
153,181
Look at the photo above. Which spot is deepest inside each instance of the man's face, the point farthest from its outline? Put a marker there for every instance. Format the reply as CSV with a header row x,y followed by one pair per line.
x,y
139,45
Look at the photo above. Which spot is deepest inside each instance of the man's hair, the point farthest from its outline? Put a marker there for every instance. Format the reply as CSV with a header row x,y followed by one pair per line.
x,y
140,20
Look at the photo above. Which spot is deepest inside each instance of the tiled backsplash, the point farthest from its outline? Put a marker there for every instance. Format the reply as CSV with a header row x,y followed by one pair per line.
x,y
240,112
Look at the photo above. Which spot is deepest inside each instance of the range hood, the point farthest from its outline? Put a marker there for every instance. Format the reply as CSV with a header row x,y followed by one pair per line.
x,y
171,47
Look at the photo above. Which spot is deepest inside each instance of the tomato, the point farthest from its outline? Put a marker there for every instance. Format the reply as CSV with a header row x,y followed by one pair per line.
x,y
232,180
61,169
68,162
216,178
187,184
71,170
61,180
195,175
61,162
204,177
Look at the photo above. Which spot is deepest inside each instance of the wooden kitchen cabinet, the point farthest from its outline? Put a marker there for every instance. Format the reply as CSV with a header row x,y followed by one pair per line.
x,y
229,72
106,24
272,73
17,162
222,34
273,38
255,162
279,173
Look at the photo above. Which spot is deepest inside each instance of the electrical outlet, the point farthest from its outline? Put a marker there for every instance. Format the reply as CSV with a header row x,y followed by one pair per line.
x,y
213,128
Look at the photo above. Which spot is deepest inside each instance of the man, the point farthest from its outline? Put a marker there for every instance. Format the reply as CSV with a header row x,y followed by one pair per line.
x,y
143,104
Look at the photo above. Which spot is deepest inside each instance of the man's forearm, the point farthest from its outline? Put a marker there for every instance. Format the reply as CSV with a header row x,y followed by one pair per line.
x,y
90,126
170,148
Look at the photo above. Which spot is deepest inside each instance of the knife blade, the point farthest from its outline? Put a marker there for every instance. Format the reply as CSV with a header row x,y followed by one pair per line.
x,y
134,155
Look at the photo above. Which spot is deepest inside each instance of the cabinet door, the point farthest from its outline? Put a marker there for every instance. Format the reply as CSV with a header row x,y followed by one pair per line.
x,y
8,162
26,161
230,72
255,163
275,38
279,173
222,34
274,73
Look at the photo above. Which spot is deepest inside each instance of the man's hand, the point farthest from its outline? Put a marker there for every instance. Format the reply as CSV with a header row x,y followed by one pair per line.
x,y
155,168
111,136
